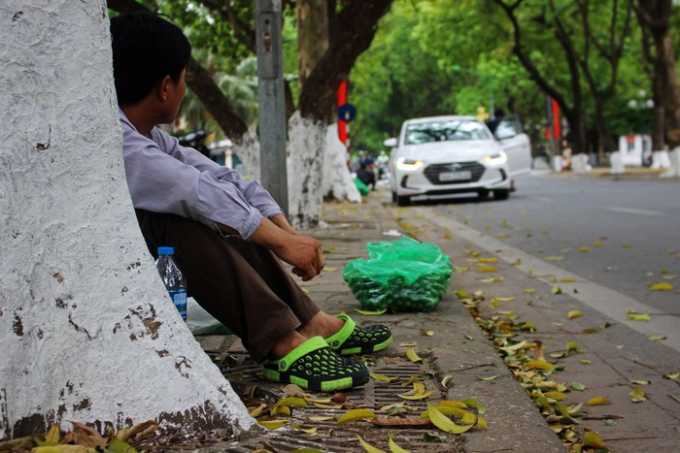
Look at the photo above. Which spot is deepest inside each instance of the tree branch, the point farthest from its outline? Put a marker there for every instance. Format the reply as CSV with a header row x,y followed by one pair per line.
x,y
357,24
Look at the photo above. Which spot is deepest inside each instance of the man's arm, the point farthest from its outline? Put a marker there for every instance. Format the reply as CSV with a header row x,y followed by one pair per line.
x,y
304,253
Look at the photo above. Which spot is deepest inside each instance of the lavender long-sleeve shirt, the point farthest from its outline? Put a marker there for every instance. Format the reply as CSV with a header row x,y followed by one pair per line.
x,y
165,177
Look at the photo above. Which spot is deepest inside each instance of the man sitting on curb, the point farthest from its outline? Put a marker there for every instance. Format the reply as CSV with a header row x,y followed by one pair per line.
x,y
228,232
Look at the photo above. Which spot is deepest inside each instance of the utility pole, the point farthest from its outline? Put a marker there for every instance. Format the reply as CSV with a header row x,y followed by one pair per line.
x,y
274,175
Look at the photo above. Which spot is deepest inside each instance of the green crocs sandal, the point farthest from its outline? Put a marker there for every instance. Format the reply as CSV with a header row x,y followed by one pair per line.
x,y
315,366
352,339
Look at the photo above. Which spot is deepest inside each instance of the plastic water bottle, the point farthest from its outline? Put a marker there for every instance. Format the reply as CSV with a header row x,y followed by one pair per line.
x,y
173,279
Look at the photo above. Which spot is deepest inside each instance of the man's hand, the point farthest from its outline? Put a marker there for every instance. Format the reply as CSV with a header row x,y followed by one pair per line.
x,y
304,253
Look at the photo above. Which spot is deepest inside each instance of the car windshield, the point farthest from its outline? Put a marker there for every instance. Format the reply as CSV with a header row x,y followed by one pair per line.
x,y
444,131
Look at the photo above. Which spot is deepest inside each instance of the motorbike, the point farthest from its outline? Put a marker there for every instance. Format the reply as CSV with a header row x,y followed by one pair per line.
x,y
196,140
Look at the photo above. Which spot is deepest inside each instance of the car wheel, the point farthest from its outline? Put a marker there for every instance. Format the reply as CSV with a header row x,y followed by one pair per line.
x,y
394,196
501,194
403,200
483,193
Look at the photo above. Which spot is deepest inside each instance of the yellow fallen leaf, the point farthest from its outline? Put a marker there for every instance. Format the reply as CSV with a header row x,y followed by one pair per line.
x,y
554,258
452,403
637,395
556,290
371,313
592,439
656,337
504,299
585,362
502,236
281,410
568,280
412,356
443,422
447,235
471,402
53,434
356,414
320,419
330,269
291,401
638,316
574,314
661,287
489,378
597,244
559,396
540,365
626,246
416,397
446,380
583,249
64,448
673,377
368,447
383,378
597,401
529,290
426,333
273,424
486,269
307,430
394,448
466,417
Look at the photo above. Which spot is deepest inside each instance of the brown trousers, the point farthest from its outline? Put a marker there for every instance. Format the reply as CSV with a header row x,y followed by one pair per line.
x,y
241,284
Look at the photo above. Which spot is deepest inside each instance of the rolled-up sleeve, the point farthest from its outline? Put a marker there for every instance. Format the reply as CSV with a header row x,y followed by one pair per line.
x,y
165,177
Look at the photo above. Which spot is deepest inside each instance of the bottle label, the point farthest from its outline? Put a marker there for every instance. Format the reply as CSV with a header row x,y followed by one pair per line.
x,y
179,298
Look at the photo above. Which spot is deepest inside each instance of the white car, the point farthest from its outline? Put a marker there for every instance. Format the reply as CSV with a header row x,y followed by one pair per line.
x,y
446,155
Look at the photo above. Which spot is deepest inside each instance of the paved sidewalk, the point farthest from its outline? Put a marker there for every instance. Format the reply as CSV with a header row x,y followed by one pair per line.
x,y
458,349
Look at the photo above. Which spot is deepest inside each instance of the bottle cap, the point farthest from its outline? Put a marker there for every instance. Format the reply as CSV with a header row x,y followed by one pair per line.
x,y
166,250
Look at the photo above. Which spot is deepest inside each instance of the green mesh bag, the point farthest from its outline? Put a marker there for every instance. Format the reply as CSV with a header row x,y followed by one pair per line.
x,y
400,276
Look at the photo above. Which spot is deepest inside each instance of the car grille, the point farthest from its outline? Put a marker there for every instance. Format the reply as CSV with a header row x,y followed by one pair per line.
x,y
432,172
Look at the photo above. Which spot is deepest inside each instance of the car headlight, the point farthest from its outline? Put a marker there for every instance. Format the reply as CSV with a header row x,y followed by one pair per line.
x,y
498,158
405,164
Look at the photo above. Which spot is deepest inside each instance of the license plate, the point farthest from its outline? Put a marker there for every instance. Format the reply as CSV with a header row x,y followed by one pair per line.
x,y
455,176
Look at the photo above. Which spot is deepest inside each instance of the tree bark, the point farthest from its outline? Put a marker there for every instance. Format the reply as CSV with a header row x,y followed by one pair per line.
x,y
653,70
611,53
89,332
656,16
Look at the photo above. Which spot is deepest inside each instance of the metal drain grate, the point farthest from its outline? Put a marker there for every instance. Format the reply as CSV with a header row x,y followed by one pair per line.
x,y
331,438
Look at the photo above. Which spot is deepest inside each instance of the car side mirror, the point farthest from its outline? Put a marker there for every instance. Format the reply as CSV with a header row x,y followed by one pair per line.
x,y
504,133
391,143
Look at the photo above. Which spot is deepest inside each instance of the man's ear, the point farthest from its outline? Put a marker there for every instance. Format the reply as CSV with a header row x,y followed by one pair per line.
x,y
162,89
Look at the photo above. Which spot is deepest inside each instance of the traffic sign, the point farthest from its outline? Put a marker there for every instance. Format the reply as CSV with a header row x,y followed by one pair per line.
x,y
347,112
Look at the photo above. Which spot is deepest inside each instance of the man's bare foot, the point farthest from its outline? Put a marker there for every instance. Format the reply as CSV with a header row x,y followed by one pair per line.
x,y
286,344
321,324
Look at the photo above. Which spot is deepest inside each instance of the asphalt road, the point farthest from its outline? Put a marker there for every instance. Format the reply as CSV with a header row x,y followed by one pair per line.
x,y
615,238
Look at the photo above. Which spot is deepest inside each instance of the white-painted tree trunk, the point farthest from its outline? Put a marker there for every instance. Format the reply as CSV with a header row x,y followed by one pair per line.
x,y
248,150
674,159
661,159
87,331
337,179
307,141
616,163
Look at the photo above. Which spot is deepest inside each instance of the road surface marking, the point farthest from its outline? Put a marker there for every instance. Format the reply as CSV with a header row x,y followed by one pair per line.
x,y
600,298
634,211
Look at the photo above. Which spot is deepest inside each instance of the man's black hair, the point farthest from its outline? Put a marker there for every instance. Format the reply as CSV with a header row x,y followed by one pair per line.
x,y
146,48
